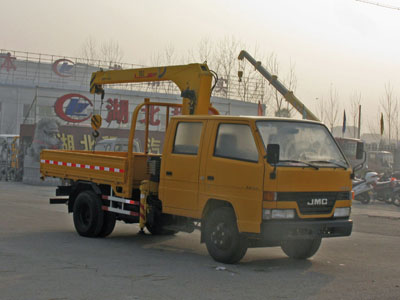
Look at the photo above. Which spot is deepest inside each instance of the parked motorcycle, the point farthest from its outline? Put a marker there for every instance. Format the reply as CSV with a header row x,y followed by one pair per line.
x,y
396,195
363,188
384,190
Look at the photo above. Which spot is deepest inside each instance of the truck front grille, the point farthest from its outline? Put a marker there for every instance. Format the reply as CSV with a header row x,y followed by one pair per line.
x,y
314,203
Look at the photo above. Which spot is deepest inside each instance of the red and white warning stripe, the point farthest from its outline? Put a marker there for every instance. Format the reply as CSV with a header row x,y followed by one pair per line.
x,y
120,211
82,166
118,199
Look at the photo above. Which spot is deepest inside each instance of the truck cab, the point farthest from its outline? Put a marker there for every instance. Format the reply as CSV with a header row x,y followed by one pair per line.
x,y
212,162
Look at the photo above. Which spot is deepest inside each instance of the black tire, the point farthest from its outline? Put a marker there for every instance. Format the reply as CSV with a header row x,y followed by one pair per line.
x,y
389,200
108,224
365,198
88,215
223,240
300,248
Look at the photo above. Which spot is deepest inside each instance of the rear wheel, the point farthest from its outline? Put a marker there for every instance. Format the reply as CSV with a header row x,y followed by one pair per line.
x,y
108,224
300,248
88,215
223,240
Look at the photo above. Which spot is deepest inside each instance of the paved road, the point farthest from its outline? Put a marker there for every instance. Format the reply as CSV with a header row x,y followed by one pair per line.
x,y
41,257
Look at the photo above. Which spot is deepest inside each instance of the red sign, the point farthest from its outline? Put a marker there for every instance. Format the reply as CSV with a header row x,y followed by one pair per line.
x,y
73,108
63,67
8,62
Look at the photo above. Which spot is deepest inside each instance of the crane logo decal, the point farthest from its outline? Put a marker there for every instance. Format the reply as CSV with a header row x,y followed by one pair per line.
x,y
73,108
162,73
142,75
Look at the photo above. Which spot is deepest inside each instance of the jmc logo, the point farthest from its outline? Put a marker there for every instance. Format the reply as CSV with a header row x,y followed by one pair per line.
x,y
73,108
318,201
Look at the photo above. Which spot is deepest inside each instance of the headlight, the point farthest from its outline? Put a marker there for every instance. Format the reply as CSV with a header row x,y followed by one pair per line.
x,y
269,214
342,212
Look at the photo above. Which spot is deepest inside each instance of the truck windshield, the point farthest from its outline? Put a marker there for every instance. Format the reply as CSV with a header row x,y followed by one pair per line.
x,y
302,142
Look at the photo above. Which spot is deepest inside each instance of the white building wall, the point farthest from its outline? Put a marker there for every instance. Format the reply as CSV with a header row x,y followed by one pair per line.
x,y
35,81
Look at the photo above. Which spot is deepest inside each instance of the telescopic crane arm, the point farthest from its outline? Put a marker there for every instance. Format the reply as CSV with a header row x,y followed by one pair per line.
x,y
194,81
273,80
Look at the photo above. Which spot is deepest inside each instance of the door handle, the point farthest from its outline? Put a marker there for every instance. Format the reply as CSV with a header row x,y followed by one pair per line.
x,y
210,178
168,173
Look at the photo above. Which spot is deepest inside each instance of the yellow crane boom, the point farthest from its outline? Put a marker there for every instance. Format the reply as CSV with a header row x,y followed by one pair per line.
x,y
194,81
273,80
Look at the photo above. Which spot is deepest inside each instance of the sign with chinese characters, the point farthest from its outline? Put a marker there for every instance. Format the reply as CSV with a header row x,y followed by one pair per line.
x,y
118,110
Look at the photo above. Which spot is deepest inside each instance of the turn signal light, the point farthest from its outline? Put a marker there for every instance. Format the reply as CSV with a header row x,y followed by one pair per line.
x,y
270,196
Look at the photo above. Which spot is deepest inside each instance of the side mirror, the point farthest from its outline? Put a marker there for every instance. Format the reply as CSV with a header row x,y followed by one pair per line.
x,y
360,150
273,153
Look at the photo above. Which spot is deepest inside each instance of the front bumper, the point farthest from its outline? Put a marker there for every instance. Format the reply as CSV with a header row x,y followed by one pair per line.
x,y
285,229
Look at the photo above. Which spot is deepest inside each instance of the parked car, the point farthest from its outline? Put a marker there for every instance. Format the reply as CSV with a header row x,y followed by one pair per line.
x,y
116,145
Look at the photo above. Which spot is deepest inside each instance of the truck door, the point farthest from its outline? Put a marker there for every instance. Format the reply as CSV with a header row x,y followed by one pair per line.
x,y
234,172
180,170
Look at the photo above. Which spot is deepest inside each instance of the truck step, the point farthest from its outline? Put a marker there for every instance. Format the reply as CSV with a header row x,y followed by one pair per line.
x,y
58,200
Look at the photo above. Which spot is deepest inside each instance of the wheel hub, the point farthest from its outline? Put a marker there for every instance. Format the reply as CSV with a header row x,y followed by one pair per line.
x,y
221,236
85,215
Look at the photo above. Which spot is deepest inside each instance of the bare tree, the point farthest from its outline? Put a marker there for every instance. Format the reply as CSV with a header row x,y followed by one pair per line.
x,y
389,105
374,124
396,121
282,107
332,108
320,109
203,53
89,49
225,61
109,52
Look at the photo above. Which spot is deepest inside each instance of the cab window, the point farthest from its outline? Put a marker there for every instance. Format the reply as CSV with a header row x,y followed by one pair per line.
x,y
187,138
236,141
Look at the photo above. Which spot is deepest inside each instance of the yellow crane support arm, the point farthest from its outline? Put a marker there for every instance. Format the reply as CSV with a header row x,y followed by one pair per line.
x,y
193,80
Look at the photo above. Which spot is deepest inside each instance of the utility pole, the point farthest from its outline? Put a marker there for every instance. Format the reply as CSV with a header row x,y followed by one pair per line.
x,y
379,4
359,121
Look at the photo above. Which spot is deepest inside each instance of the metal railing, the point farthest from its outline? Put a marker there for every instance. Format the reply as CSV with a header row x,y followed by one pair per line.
x,y
46,70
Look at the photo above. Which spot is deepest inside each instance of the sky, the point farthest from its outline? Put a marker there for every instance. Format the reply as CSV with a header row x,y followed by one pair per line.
x,y
347,45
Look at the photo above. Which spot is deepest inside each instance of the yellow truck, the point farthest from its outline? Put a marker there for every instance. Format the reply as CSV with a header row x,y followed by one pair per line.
x,y
243,181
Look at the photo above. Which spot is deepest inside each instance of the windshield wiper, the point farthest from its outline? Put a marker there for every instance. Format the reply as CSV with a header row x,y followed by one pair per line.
x,y
300,161
329,162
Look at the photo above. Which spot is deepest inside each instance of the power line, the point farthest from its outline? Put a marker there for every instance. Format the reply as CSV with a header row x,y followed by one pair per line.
x,y
380,4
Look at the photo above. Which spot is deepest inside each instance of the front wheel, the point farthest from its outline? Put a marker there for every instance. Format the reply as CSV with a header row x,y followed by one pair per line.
x,y
300,248
223,240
